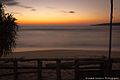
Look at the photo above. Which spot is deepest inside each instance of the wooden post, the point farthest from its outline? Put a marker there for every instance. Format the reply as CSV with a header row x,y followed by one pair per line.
x,y
106,68
39,70
15,63
77,69
58,71
110,37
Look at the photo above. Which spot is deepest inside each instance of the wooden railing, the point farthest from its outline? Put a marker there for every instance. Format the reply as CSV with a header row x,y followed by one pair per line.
x,y
82,67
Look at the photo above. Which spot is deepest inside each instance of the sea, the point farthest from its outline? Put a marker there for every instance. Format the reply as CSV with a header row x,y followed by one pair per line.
x,y
31,38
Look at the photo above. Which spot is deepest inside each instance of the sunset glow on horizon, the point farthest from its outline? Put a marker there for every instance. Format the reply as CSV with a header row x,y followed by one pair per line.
x,y
62,11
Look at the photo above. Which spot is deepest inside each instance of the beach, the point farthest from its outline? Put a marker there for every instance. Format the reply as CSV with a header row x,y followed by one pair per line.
x,y
64,54
61,41
88,42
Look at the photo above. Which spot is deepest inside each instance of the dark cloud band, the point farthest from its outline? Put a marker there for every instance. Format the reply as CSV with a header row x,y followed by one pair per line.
x,y
12,3
15,3
71,11
68,11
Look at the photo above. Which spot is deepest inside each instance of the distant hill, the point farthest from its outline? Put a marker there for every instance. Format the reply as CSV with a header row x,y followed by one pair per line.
x,y
106,24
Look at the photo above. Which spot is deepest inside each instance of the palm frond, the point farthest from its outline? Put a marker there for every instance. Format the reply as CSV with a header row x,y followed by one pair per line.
x,y
8,32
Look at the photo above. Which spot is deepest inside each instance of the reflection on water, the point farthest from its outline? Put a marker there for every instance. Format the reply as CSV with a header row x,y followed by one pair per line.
x,y
66,39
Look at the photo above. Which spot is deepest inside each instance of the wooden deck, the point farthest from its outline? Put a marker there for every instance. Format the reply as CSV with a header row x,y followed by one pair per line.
x,y
82,68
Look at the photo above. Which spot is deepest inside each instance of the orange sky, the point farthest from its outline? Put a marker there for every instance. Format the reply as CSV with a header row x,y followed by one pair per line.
x,y
62,11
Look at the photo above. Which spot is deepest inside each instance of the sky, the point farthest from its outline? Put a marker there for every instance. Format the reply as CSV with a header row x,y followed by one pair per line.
x,y
62,11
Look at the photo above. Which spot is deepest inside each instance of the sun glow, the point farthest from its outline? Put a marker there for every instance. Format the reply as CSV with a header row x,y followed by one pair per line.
x,y
62,12
59,21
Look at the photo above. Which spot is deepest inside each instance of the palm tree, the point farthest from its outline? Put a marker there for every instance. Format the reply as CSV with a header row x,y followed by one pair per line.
x,y
8,32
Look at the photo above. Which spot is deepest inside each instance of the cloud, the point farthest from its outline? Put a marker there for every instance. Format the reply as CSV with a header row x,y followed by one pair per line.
x,y
10,2
71,11
68,11
15,3
33,9
27,7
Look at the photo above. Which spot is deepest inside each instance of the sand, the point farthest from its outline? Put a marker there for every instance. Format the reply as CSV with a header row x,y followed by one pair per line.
x,y
64,54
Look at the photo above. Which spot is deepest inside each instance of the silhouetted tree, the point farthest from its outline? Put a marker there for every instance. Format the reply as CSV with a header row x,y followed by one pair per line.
x,y
8,32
